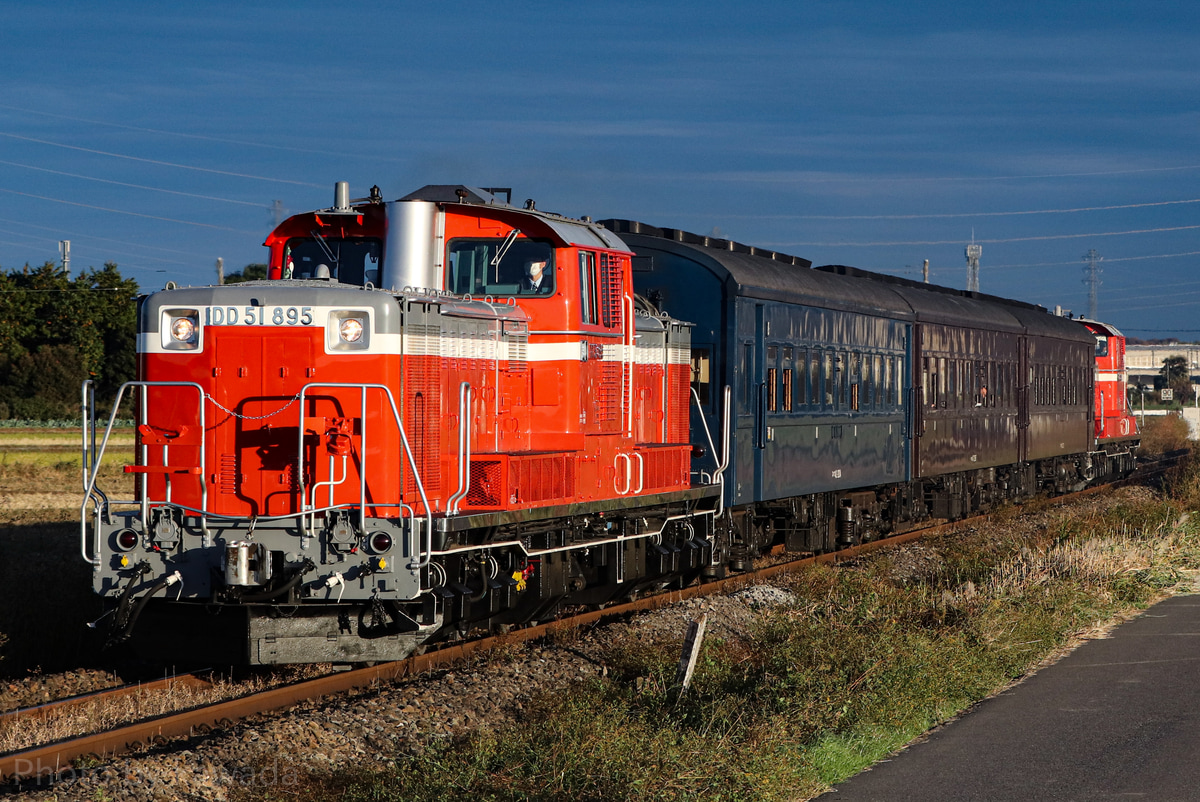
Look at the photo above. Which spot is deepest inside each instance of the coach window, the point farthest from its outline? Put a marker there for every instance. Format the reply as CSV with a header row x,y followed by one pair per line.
x,y
841,368
787,374
772,378
827,385
589,309
952,383
877,381
801,376
812,384
859,387
748,377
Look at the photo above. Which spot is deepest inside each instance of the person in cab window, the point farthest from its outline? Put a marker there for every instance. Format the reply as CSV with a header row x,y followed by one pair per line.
x,y
536,282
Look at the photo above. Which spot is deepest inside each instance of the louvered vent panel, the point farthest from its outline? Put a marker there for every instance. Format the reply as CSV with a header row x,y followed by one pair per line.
x,y
227,482
423,407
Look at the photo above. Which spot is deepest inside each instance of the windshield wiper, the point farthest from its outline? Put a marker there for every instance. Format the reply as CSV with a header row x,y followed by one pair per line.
x,y
503,249
325,247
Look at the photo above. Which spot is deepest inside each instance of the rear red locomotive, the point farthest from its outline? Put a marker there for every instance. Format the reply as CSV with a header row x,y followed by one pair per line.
x,y
1115,422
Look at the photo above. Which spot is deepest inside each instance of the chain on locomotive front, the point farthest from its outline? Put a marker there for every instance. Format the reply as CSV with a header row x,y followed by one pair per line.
x,y
395,435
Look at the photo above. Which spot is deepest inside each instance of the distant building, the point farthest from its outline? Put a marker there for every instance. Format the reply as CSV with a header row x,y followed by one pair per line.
x,y
1145,361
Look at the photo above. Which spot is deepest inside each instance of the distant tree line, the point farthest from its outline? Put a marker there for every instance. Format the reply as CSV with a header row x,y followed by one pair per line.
x,y
251,272
57,330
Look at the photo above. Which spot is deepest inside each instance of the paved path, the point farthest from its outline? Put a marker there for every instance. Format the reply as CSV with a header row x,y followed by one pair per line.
x,y
1118,718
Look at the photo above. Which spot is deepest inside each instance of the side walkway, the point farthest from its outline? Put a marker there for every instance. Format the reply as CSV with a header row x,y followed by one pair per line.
x,y
1118,718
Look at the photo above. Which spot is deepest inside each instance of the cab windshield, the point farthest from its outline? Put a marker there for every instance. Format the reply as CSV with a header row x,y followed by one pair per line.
x,y
525,267
350,261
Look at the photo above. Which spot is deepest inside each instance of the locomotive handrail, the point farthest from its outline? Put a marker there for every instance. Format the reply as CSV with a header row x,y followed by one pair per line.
x,y
630,358
628,474
707,434
727,441
532,552
422,556
91,469
641,471
464,449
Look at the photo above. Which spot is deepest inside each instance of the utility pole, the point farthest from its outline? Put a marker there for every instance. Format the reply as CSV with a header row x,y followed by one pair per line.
x,y
973,253
1092,279
925,272
220,270
64,252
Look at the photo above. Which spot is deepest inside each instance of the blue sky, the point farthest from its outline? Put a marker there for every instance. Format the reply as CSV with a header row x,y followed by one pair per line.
x,y
865,133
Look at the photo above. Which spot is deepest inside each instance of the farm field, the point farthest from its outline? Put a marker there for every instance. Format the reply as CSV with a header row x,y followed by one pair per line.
x,y
40,470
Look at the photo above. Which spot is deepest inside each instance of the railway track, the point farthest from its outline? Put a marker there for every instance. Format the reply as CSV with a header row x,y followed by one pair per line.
x,y
41,760
59,707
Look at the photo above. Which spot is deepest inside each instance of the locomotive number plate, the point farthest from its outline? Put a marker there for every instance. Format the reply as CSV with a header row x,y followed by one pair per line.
x,y
258,316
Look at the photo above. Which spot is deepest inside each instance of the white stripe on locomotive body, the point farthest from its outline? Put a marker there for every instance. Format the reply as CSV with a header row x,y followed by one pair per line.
x,y
275,317
418,340
508,349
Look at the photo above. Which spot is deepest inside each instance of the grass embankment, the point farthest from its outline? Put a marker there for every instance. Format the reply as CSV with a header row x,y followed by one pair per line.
x,y
868,656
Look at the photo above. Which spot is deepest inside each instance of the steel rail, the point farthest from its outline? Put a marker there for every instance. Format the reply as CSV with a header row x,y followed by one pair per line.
x,y
43,759
45,710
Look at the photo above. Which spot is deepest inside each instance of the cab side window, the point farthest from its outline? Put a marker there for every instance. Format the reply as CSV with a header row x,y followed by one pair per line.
x,y
589,310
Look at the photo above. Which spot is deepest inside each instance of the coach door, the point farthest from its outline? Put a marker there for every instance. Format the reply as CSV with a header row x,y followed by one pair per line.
x,y
916,407
1022,399
760,401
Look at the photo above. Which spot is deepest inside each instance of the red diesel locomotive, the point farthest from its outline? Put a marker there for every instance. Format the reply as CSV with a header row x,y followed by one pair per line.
x,y
451,410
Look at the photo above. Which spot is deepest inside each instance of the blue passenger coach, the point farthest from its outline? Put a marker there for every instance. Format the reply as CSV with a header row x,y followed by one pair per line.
x,y
859,400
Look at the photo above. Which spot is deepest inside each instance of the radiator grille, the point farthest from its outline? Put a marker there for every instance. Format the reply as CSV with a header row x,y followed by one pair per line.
x,y
541,479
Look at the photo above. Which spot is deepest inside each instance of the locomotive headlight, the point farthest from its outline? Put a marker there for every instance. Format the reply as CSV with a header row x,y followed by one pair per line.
x,y
180,329
351,329
184,330
380,542
348,330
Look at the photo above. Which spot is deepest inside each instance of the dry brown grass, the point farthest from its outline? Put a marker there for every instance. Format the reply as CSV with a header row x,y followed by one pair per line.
x,y
1163,433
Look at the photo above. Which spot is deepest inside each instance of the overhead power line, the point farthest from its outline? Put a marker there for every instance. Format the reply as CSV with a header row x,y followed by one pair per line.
x,y
158,162
202,137
132,214
982,241
131,186
953,215
779,177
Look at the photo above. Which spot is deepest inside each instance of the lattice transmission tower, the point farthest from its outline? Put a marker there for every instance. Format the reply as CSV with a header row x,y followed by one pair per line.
x,y
1092,279
973,253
